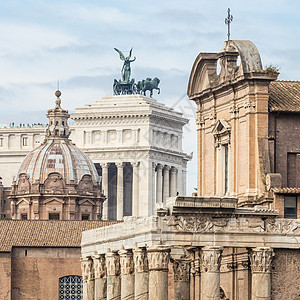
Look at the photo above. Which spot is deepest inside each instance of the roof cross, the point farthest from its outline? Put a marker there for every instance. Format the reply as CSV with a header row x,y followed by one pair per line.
x,y
228,20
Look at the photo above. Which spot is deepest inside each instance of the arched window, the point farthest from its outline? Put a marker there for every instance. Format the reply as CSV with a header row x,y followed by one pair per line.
x,y
70,287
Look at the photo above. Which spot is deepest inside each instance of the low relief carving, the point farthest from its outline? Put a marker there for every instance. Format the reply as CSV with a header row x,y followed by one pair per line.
x,y
140,260
23,184
181,270
211,224
261,259
87,269
112,264
54,183
158,259
86,184
211,259
99,266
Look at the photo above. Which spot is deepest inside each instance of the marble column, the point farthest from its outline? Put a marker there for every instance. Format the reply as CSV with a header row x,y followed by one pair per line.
x,y
261,259
120,191
166,190
127,275
158,259
87,278
159,198
100,277
173,182
105,167
141,287
113,276
153,188
210,272
181,269
135,188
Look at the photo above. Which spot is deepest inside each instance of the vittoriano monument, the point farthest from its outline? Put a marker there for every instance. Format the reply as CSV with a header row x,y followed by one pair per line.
x,y
127,86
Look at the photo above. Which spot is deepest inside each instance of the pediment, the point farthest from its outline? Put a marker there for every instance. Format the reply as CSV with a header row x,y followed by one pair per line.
x,y
86,202
25,201
221,127
54,199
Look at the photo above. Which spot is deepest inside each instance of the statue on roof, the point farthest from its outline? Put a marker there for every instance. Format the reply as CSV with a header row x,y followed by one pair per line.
x,y
127,85
126,70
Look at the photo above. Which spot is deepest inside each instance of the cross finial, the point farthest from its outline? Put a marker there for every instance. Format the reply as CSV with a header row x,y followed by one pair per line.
x,y
228,20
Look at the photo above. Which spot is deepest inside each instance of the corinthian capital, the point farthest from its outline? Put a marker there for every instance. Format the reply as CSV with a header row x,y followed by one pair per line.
x,y
261,259
158,258
112,263
99,265
140,260
126,262
181,270
211,259
87,269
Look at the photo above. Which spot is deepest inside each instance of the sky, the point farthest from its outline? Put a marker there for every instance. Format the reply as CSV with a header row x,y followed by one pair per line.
x,y
72,41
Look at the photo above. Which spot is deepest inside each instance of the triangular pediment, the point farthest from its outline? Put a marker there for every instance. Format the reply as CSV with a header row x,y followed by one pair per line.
x,y
23,201
86,201
221,127
54,199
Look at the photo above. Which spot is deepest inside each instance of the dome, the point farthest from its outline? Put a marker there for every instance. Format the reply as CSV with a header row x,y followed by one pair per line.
x,y
57,180
57,156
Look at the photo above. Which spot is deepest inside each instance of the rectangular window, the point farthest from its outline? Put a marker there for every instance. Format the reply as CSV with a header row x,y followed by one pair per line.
x,y
290,207
1,142
53,216
25,141
23,216
85,217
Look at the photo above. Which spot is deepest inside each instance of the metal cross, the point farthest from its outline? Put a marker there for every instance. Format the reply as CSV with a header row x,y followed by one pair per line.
x,y
228,20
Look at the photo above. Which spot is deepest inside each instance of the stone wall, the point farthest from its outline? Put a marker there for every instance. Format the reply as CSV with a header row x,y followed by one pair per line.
x,y
34,272
286,275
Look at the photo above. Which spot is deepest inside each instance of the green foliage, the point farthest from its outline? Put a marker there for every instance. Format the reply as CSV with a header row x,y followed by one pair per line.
x,y
271,69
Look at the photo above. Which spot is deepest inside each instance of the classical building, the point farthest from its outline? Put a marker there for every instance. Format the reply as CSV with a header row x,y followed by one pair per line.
x,y
228,242
41,259
56,180
136,144
134,141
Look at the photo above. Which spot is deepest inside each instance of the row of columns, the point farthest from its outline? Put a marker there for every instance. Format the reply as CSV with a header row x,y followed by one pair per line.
x,y
143,274
166,182
120,189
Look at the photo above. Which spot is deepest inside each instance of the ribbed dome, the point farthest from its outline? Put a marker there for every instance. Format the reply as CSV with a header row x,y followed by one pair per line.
x,y
59,156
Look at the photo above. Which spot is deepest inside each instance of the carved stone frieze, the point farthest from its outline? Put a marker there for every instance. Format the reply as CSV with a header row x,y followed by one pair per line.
x,y
23,184
54,183
112,264
126,262
86,184
261,259
210,258
99,266
87,269
140,260
158,258
181,270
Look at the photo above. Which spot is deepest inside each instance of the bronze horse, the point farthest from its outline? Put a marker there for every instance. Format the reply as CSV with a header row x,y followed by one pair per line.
x,y
148,85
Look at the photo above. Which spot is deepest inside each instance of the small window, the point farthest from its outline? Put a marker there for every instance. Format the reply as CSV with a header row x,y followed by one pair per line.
x,y
290,207
56,131
63,122
85,217
25,141
23,216
56,123
53,216
1,142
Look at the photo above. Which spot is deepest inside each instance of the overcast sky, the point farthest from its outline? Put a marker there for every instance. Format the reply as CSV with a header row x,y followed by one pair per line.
x,y
73,41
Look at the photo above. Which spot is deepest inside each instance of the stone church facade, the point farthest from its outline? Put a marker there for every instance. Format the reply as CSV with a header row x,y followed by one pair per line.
x,y
238,238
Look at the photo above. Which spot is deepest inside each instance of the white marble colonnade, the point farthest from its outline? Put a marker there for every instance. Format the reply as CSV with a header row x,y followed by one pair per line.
x,y
142,274
165,181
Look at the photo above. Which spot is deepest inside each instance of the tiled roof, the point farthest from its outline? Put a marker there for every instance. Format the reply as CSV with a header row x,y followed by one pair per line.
x,y
46,233
284,96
